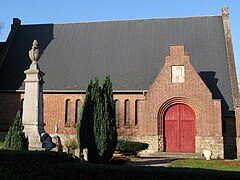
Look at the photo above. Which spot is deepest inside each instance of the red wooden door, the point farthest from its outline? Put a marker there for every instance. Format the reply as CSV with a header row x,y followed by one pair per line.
x,y
180,129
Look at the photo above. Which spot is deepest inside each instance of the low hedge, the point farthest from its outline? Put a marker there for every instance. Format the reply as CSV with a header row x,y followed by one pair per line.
x,y
130,147
41,165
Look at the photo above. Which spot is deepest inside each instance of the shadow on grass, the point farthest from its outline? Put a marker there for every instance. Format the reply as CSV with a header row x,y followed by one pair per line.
x,y
48,165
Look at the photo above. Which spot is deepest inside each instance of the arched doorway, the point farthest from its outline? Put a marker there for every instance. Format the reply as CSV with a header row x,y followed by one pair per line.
x,y
180,128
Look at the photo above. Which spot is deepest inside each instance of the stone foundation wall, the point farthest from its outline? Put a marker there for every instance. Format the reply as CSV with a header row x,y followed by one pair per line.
x,y
153,141
238,147
215,144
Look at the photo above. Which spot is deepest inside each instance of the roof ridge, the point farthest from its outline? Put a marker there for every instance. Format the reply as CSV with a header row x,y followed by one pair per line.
x,y
126,20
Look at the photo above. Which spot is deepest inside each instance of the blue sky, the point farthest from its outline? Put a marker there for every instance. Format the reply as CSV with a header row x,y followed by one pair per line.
x,y
61,11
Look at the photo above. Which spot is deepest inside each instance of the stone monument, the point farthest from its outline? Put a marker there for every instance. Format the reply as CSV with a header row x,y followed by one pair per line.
x,y
33,104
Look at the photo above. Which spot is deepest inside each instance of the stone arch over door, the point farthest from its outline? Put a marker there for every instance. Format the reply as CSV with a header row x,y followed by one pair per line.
x,y
161,115
179,129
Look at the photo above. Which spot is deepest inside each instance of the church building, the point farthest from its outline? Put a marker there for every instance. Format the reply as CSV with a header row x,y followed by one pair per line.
x,y
174,79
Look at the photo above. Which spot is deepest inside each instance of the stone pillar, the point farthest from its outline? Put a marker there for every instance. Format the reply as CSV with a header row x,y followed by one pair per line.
x,y
33,104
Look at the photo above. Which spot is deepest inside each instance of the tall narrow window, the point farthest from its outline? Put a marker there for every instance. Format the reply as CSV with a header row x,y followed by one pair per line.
x,y
116,103
127,113
67,113
77,111
136,112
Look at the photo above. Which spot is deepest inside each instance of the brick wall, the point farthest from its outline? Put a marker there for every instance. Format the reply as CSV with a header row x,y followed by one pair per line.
x,y
10,103
193,92
55,111
162,94
132,129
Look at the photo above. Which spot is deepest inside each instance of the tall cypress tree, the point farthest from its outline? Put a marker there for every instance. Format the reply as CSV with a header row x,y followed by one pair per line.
x,y
93,151
86,116
97,126
108,133
85,131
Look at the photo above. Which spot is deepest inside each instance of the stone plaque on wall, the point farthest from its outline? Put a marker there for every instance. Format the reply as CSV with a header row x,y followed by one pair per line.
x,y
178,74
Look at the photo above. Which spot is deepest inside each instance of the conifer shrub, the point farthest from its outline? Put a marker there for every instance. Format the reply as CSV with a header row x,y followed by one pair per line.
x,y
130,147
15,138
96,129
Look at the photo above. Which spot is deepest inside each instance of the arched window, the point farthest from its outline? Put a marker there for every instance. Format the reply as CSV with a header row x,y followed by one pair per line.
x,y
77,110
136,112
127,113
67,113
116,106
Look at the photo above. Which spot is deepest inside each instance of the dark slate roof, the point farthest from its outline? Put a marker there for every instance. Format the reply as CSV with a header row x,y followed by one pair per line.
x,y
132,52
1,46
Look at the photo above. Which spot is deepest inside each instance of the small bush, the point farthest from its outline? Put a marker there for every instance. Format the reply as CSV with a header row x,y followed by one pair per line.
x,y
15,138
130,147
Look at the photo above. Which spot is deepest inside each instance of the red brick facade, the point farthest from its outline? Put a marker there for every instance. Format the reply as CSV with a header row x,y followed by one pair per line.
x,y
151,108
215,130
193,92
55,111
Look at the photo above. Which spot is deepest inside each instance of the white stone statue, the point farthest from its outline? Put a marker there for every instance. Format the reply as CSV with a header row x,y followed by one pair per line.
x,y
56,134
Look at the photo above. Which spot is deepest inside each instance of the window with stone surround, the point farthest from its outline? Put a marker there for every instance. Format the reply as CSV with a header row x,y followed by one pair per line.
x,y
116,108
67,113
127,113
136,112
77,110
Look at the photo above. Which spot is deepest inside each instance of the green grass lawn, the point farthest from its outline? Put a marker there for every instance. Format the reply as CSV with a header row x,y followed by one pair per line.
x,y
53,165
225,165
